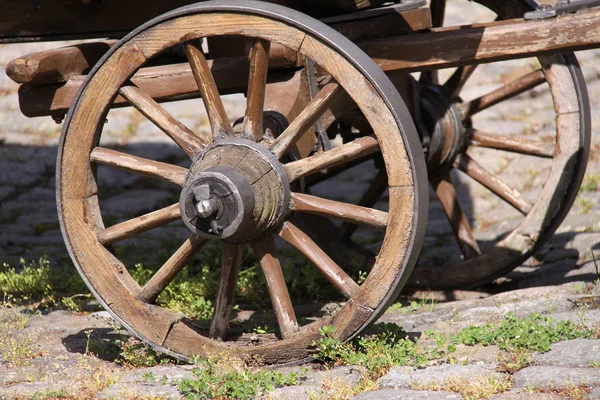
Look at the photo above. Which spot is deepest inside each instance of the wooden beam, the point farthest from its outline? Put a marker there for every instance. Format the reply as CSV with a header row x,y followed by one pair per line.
x,y
494,41
57,65
163,83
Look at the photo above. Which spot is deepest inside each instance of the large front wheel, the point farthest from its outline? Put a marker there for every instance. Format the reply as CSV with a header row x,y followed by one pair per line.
x,y
241,187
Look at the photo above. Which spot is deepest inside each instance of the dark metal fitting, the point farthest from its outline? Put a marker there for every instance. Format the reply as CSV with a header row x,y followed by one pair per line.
x,y
217,202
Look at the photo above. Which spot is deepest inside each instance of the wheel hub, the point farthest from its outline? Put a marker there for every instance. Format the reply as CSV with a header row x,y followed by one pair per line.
x,y
442,122
236,190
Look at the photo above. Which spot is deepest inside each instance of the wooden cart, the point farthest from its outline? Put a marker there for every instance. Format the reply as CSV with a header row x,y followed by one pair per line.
x,y
307,83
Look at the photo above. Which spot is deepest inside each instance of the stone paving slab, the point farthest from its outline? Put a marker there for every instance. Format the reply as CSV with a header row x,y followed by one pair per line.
x,y
404,377
544,377
406,394
578,353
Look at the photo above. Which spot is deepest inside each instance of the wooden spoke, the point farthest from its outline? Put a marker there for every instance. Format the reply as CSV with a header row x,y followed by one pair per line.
x,y
305,245
138,225
346,212
139,165
182,135
331,158
459,78
492,182
282,304
460,225
257,84
230,266
373,193
511,89
165,275
307,118
219,122
515,144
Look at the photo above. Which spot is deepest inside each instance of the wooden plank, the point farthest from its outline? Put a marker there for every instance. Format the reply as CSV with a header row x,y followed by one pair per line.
x,y
57,65
494,41
48,20
162,83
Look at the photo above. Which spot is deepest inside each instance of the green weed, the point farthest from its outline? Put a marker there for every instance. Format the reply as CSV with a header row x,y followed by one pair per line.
x,y
225,377
35,281
534,333
584,204
473,388
376,353
16,349
590,183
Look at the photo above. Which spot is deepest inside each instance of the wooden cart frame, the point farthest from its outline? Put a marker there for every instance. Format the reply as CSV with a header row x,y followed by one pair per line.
x,y
306,82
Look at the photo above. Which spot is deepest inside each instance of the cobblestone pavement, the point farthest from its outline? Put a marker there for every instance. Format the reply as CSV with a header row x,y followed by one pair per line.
x,y
550,283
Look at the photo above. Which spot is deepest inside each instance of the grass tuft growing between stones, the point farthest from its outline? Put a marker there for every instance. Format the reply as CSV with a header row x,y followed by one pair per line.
x,y
473,388
570,392
378,353
228,377
533,333
37,282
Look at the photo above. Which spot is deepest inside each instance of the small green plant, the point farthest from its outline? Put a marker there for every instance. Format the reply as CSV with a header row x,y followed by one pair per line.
x,y
35,281
148,376
534,333
473,388
376,353
49,394
516,360
226,377
16,349
584,204
590,183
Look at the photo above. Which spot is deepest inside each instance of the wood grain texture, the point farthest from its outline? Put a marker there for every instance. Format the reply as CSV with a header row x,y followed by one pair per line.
x,y
343,211
326,266
257,83
505,92
162,83
493,182
139,165
231,259
165,275
494,41
338,155
169,33
57,65
307,118
181,134
446,193
280,298
135,226
373,193
219,122
168,329
514,144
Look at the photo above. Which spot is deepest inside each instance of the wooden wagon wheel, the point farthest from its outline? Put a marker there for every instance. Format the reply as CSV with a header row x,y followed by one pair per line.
x,y
237,190
454,134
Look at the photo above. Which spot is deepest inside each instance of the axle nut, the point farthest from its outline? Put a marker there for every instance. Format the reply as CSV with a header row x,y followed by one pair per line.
x,y
217,202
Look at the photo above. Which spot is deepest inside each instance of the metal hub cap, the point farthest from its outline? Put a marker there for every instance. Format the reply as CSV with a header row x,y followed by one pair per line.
x,y
236,190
